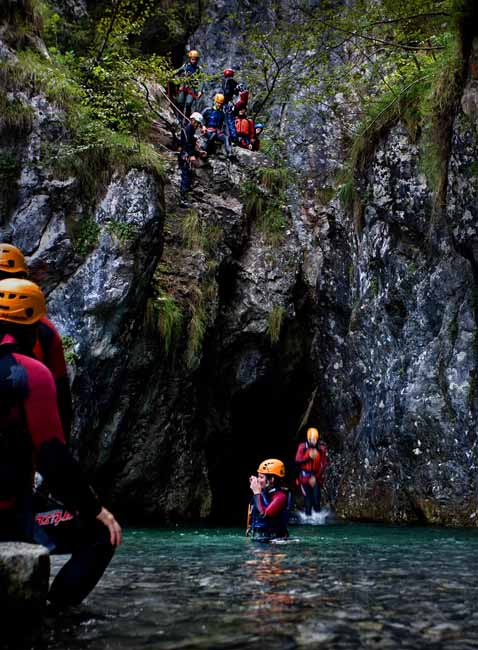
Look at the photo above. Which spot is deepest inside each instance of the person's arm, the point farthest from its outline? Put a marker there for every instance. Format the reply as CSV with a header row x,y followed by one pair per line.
x,y
54,461
275,507
302,455
53,357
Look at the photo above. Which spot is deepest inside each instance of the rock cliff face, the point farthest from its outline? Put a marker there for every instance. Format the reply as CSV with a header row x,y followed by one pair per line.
x,y
365,326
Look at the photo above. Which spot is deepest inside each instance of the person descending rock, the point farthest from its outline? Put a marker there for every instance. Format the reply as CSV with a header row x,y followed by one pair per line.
x,y
245,130
214,121
190,89
270,507
229,90
311,459
243,98
31,437
48,347
258,129
187,156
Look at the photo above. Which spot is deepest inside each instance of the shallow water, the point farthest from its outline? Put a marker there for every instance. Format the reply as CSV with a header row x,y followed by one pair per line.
x,y
334,586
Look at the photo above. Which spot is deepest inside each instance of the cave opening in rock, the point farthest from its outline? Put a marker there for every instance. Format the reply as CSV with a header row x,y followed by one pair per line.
x,y
264,423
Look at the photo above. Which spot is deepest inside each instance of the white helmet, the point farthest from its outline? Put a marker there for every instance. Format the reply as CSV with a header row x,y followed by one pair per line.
x,y
198,117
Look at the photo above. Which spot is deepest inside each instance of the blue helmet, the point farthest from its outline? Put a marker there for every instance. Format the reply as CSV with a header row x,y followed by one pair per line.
x,y
259,125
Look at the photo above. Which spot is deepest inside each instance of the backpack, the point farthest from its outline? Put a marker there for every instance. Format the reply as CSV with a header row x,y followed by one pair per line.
x,y
244,127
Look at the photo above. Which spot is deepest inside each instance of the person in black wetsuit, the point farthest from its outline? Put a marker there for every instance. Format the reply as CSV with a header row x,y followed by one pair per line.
x,y
187,157
31,437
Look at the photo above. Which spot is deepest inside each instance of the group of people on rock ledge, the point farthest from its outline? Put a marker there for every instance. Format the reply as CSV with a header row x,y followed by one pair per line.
x,y
225,122
55,507
270,507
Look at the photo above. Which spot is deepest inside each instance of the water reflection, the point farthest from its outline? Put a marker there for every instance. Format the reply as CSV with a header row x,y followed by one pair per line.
x,y
338,587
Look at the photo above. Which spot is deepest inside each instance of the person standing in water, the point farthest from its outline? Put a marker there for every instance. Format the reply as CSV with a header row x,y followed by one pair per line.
x,y
311,458
270,506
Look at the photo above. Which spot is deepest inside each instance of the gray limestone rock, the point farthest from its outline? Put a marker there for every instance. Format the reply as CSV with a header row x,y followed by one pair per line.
x,y
24,575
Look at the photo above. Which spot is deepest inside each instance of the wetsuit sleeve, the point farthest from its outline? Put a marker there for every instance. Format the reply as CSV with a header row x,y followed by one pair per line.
x,y
53,459
302,455
40,405
54,357
66,479
276,506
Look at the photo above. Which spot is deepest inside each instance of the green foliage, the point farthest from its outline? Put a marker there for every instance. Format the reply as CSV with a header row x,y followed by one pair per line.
x,y
165,316
438,108
20,19
275,320
192,230
69,343
122,230
274,179
9,167
14,114
86,236
196,327
272,224
264,199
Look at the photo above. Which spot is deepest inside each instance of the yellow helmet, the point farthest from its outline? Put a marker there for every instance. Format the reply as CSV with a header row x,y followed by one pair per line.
x,y
312,436
219,98
193,54
12,259
21,301
272,466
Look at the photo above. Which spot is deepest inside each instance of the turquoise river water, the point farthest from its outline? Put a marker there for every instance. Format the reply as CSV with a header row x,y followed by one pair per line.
x,y
334,586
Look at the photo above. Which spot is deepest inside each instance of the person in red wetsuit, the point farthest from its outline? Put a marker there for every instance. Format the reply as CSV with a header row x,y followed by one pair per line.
x,y
48,347
270,507
31,437
311,460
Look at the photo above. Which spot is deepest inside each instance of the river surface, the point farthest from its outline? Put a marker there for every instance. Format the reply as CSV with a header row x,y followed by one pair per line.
x,y
333,586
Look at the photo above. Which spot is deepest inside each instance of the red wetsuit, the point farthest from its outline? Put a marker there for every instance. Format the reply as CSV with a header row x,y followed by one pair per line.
x,y
31,435
48,349
277,504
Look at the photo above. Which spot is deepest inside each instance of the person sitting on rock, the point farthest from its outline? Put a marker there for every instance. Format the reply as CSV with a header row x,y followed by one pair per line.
x,y
245,130
187,156
258,129
270,507
31,437
214,122
190,90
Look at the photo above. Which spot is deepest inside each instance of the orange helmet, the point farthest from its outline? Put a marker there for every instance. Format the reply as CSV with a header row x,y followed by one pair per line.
x,y
12,259
219,98
21,301
312,436
272,466
193,54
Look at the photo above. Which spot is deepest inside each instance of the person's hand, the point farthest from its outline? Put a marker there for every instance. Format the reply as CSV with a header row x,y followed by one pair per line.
x,y
108,520
313,453
203,154
312,481
199,95
254,485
